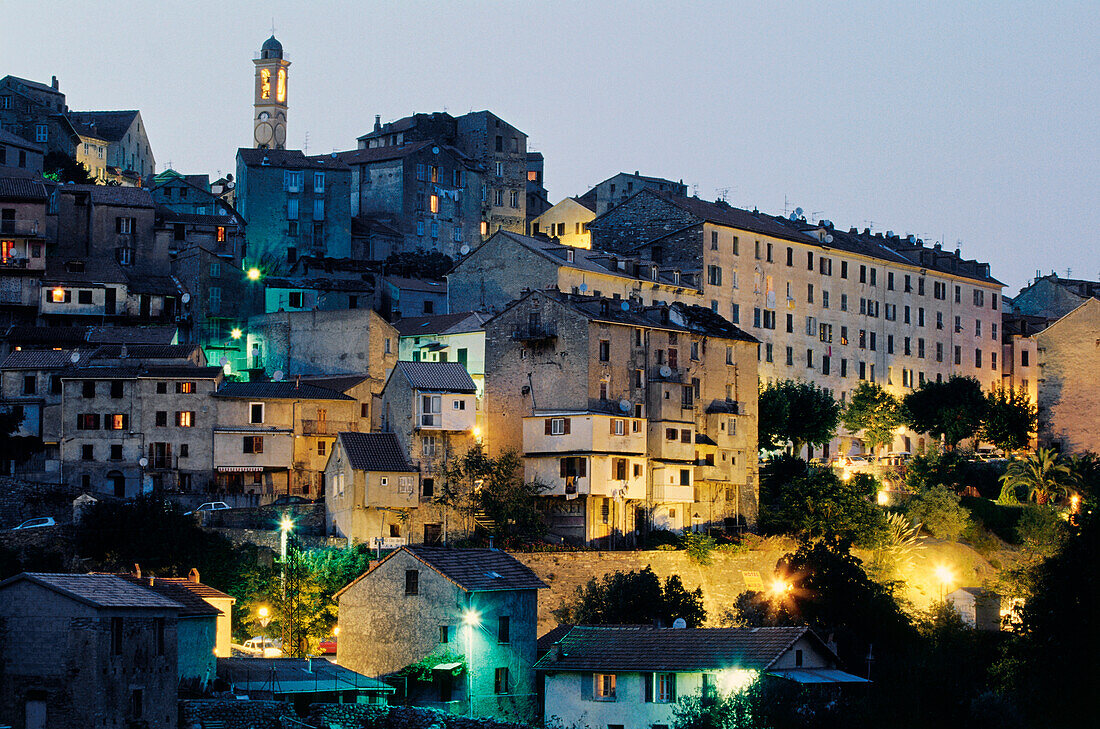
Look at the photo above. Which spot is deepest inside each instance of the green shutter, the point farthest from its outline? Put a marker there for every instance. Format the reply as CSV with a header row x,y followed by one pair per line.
x,y
647,680
587,680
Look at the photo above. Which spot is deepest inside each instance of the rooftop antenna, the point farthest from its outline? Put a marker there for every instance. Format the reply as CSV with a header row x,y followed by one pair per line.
x,y
272,25
305,147
695,189
870,224
814,215
1069,273
723,193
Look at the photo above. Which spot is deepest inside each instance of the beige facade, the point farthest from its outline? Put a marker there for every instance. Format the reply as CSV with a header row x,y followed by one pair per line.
x,y
92,153
567,222
1069,383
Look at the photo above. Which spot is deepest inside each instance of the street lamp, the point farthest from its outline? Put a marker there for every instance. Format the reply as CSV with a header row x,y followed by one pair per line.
x,y
253,274
236,333
284,530
471,619
945,577
265,618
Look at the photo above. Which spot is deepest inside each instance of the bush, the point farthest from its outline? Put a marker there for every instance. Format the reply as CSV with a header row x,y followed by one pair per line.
x,y
1041,530
938,509
698,547
815,502
1001,520
660,538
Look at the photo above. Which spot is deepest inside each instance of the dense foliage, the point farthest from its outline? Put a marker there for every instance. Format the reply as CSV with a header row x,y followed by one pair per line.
x,y
873,411
939,510
810,502
1044,476
421,264
493,492
953,409
634,598
798,412
1009,419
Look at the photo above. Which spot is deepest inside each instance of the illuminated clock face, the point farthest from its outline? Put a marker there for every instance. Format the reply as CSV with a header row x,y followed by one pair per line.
x,y
263,116
263,133
280,134
280,91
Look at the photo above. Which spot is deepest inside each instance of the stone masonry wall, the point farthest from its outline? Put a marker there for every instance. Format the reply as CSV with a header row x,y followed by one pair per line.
x,y
640,219
21,500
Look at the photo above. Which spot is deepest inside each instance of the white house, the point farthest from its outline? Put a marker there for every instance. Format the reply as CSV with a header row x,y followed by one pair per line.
x,y
977,607
633,676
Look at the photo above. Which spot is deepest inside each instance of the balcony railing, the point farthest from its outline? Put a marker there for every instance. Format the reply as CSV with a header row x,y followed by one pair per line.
x,y
13,262
388,542
18,227
328,427
535,332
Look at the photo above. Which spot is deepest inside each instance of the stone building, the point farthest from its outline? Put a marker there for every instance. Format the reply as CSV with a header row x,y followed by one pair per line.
x,y
372,492
24,235
431,407
270,105
633,416
37,113
509,264
401,296
293,205
128,146
112,657
538,199
617,188
1068,354
830,306
274,437
567,223
429,192
1052,297
18,155
469,616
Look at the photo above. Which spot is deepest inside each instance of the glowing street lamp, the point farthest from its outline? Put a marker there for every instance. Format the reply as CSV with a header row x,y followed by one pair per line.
x,y
945,577
780,587
236,333
254,274
265,618
471,619
284,530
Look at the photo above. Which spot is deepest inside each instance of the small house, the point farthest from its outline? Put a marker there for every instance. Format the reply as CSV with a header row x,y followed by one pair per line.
x,y
978,608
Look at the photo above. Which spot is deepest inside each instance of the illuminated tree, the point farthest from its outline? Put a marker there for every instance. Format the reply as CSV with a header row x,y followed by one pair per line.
x,y
1009,420
953,409
795,411
875,412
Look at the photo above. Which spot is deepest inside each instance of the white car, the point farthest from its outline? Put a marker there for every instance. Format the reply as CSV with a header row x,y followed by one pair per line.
x,y
210,506
41,521
265,647
852,464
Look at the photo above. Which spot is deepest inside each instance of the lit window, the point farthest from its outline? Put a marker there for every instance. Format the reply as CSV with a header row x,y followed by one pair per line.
x,y
185,419
57,296
221,234
265,83
604,688
435,203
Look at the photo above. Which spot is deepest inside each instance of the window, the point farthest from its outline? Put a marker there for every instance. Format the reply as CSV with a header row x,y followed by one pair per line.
x,y
185,450
255,413
41,133
790,356
977,358
116,452
604,686
513,199
158,636
116,636
88,389
253,444
500,681
412,582
161,419
428,446
87,452
665,692
618,426
319,209
790,257
503,629
292,209
30,384
1024,358
605,350
318,181
573,467
116,421
557,426
714,275
87,421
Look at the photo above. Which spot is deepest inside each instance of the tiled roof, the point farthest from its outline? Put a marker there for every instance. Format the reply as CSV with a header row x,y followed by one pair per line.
x,y
375,452
40,359
704,320
107,125
146,351
722,214
168,215
585,260
337,383
284,390
192,604
466,321
130,197
88,271
180,372
34,84
417,284
364,223
18,335
291,159
381,154
197,588
473,570
441,376
294,676
19,188
615,648
107,591
131,335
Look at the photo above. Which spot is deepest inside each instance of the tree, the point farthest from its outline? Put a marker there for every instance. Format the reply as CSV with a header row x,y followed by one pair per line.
x,y
1010,419
875,412
952,409
492,491
938,508
795,411
1043,475
634,598
15,449
810,502
61,167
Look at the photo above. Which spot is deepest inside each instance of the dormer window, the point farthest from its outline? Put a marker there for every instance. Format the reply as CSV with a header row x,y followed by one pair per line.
x,y
570,255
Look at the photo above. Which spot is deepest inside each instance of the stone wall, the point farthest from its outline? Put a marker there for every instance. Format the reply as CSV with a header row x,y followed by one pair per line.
x,y
199,714
309,519
638,220
21,500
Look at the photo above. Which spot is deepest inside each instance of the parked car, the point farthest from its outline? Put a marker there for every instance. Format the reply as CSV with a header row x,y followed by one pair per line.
x,y
209,506
852,464
290,501
328,645
39,521
263,647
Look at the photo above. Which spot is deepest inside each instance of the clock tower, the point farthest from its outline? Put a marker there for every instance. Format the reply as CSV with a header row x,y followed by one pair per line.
x,y
269,110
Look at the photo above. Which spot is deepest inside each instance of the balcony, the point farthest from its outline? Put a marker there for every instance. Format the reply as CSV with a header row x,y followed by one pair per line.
x,y
13,262
388,542
24,228
328,427
535,332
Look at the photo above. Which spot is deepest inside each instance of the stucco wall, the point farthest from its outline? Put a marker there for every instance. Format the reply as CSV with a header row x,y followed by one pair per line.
x,y
1069,385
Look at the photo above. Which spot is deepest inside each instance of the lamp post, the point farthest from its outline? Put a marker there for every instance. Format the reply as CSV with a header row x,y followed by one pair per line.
x,y
284,530
944,577
265,618
471,619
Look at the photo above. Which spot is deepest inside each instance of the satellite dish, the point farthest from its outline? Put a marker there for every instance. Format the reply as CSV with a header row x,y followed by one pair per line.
x,y
625,306
277,376
583,287
223,361
464,250
435,150
624,405
798,212
185,298
792,216
828,238
679,623
143,462
74,357
666,371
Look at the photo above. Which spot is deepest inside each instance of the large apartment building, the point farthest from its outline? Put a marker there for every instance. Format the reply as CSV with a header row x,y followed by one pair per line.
x,y
829,306
632,416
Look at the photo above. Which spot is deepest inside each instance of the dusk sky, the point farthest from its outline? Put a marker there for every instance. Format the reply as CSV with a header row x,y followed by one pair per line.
x,y
977,122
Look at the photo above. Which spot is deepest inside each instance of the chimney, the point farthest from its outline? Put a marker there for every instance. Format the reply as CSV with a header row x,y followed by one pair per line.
x,y
193,575
53,83
137,570
377,122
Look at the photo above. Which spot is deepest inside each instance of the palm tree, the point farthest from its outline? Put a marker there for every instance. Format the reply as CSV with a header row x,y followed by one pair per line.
x,y
1042,474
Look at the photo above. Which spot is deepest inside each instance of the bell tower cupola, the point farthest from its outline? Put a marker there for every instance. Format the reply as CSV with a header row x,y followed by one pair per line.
x,y
269,109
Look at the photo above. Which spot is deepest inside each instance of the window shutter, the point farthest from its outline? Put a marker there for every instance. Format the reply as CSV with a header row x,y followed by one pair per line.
x,y
672,687
582,465
150,453
647,680
587,680
547,422
612,426
567,426
562,462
